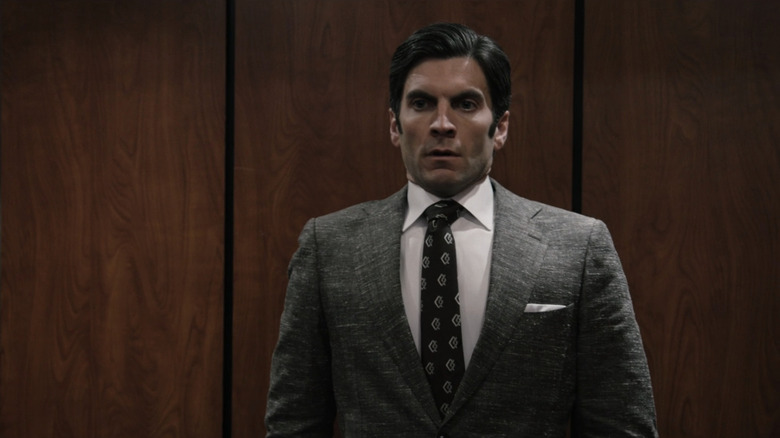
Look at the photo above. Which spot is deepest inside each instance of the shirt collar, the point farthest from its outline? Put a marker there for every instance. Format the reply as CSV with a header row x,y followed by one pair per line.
x,y
477,200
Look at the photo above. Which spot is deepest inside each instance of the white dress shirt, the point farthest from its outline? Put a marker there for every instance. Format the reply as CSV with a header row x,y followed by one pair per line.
x,y
473,233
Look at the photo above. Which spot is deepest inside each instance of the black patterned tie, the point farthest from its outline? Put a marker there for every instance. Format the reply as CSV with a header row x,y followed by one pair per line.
x,y
440,346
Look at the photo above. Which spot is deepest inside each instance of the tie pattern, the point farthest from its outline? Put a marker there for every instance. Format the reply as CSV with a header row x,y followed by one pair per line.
x,y
440,347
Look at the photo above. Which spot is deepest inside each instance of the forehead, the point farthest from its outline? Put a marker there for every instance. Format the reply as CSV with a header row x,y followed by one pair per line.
x,y
447,76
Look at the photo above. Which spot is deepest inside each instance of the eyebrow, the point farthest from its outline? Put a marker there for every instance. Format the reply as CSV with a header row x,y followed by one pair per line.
x,y
418,94
470,94
467,94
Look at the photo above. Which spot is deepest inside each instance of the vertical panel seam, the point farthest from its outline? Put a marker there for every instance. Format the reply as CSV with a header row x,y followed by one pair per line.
x,y
577,102
227,335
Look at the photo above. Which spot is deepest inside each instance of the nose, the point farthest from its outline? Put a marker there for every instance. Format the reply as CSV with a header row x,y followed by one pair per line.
x,y
442,126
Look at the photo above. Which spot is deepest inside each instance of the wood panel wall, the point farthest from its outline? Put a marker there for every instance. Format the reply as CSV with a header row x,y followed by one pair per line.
x,y
682,160
112,188
312,134
112,218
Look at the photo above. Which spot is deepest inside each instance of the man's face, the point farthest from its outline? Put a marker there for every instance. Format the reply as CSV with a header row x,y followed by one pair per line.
x,y
444,118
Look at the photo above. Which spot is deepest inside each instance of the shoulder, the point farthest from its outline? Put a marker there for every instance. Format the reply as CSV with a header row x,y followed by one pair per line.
x,y
349,219
544,222
515,206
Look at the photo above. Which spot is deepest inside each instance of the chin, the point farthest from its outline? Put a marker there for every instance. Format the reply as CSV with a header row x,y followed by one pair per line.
x,y
442,188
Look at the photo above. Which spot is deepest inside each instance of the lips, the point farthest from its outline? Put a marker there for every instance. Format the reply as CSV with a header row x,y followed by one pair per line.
x,y
438,152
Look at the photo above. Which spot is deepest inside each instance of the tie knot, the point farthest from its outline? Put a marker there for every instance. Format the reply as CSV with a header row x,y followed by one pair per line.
x,y
447,210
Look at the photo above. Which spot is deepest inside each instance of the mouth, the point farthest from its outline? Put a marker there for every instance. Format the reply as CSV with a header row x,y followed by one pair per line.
x,y
438,152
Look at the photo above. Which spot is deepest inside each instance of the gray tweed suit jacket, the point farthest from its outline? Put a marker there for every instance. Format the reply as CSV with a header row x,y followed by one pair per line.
x,y
346,352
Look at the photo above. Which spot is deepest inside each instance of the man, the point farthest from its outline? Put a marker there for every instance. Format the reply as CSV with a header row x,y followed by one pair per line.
x,y
521,326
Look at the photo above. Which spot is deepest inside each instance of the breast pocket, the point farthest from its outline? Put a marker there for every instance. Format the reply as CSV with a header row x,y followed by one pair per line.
x,y
546,323
545,339
539,359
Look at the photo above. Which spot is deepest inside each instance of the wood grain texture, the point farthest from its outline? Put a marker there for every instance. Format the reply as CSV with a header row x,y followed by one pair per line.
x,y
112,218
312,134
681,159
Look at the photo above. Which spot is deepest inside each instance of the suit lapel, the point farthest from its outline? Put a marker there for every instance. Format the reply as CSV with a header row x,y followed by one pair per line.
x,y
381,243
517,256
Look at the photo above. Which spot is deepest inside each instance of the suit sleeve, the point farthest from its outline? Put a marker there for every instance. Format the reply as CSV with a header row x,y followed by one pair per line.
x,y
300,398
614,393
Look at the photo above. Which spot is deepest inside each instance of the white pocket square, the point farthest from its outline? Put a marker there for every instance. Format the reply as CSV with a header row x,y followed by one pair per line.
x,y
538,308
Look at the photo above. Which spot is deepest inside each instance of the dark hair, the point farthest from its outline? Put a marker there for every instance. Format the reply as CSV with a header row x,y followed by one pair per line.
x,y
451,40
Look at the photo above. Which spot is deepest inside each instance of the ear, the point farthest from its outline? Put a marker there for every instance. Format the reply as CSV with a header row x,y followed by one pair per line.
x,y
502,130
395,132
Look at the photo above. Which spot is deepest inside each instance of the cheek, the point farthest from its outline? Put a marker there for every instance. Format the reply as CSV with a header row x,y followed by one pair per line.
x,y
409,143
407,151
482,147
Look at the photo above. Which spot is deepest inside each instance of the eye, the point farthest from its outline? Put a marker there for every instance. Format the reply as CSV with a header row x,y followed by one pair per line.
x,y
467,105
418,104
